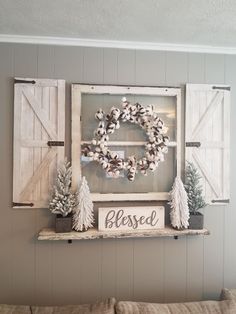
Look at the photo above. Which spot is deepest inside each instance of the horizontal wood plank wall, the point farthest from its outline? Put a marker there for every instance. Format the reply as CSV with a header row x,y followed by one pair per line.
x,y
157,270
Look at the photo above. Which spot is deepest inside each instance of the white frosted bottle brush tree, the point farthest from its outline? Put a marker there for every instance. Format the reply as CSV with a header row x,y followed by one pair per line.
x,y
83,217
63,200
179,215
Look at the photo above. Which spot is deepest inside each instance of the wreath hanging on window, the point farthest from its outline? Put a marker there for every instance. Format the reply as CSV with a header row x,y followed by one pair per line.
x,y
155,147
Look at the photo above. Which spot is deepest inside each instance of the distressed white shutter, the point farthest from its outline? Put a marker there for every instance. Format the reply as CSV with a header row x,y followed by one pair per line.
x,y
39,122
208,123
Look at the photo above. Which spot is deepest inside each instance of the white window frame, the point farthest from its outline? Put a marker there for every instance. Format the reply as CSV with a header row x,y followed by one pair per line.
x,y
77,91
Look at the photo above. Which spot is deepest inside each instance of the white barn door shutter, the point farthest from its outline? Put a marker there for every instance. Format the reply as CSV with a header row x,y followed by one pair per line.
x,y
208,125
39,133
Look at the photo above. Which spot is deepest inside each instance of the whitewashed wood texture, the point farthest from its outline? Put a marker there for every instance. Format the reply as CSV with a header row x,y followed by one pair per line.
x,y
77,91
131,218
208,122
91,234
39,117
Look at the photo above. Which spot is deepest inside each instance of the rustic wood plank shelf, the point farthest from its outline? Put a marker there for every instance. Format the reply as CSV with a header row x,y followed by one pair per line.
x,y
50,234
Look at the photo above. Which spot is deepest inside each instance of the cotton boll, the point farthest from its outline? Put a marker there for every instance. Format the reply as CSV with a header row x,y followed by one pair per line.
x,y
115,113
132,119
94,142
149,110
105,138
117,125
132,169
117,173
124,113
86,150
133,110
104,151
160,123
158,140
125,103
152,166
122,116
95,156
101,124
165,149
145,119
131,176
113,155
164,129
155,117
119,163
128,117
90,154
144,161
165,139
141,111
104,164
101,131
108,117
125,165
111,128
110,131
99,115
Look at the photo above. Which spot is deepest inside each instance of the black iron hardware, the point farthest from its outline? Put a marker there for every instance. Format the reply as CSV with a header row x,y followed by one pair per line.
x,y
221,87
193,144
24,81
22,204
55,143
220,201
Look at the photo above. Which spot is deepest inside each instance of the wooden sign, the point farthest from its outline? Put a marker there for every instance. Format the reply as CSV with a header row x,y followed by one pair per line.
x,y
131,218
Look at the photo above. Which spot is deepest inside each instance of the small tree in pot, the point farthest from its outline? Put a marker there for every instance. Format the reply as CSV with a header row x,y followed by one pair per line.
x,y
63,200
195,198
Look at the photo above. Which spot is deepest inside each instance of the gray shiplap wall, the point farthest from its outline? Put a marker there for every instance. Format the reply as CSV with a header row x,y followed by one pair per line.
x,y
158,270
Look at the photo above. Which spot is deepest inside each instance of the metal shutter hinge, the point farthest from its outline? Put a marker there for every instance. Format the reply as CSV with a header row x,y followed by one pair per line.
x,y
24,81
55,143
220,201
193,144
221,87
22,204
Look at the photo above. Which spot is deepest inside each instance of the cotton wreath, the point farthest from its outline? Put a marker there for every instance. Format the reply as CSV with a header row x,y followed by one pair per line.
x,y
155,147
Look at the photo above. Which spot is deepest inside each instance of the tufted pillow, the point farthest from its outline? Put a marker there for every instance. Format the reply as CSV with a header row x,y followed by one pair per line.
x,y
104,307
14,309
228,294
203,307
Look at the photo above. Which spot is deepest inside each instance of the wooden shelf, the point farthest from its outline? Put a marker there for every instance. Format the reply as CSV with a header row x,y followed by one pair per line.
x,y
50,234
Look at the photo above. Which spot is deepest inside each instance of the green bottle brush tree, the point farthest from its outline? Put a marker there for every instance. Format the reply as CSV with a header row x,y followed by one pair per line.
x,y
195,196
